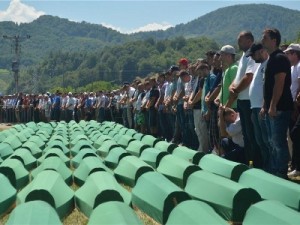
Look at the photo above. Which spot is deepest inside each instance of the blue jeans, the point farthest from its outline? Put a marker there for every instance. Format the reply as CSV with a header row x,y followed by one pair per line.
x,y
278,127
261,137
252,150
190,137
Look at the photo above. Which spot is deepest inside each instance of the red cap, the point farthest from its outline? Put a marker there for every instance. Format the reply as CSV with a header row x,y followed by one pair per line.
x,y
183,61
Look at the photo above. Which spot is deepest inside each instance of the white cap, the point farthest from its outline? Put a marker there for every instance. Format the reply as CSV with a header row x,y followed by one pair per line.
x,y
228,49
293,47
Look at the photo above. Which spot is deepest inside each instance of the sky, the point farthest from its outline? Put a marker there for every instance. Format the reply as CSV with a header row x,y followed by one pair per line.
x,y
124,16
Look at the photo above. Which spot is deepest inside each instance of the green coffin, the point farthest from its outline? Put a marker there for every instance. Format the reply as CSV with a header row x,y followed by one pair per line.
x,y
59,138
34,212
272,188
222,167
80,137
14,170
129,170
13,141
115,155
138,136
124,140
36,139
94,135
57,144
131,132
81,155
176,169
21,137
54,152
188,154
112,213
5,150
100,187
153,156
229,199
99,141
7,194
165,146
150,140
194,212
136,147
88,166
271,212
106,146
25,157
56,164
81,144
155,195
33,148
50,187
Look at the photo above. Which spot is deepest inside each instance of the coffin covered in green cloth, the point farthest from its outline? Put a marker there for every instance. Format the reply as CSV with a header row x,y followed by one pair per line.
x,y
81,155
150,140
153,156
81,144
100,187
272,188
25,157
229,199
54,152
45,132
130,168
138,136
222,167
124,140
155,195
13,141
33,148
34,212
165,146
131,132
5,150
15,171
188,154
21,137
95,135
194,212
78,138
7,194
114,157
271,212
99,141
176,169
106,146
112,213
50,187
56,164
136,147
36,139
88,166
57,144
59,138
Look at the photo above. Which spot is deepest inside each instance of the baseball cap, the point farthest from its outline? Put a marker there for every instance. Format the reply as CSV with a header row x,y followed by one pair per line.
x,y
293,47
173,68
254,47
183,61
228,49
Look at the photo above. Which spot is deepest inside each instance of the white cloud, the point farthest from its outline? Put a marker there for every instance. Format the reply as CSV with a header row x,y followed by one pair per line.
x,y
148,27
20,13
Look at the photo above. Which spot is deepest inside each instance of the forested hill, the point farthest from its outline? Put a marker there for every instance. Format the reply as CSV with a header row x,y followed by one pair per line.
x,y
224,24
52,34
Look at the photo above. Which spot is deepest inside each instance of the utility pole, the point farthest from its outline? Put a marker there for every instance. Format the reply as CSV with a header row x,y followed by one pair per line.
x,y
16,46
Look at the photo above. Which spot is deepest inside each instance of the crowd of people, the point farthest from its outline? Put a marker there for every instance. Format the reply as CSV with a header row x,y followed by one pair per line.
x,y
241,109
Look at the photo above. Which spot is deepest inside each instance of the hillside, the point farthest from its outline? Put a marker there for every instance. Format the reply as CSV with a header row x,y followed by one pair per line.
x,y
224,24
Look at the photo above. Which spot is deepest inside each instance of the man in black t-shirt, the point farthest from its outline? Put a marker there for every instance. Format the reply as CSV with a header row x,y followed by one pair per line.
x,y
278,102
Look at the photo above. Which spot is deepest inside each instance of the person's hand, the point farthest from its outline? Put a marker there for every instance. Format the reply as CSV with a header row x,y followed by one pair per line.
x,y
272,112
217,102
262,113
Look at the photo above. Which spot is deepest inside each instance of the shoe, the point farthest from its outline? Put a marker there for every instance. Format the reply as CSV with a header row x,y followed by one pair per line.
x,y
294,173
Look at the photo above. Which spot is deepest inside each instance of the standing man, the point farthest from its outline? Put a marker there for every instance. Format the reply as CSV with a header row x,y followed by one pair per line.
x,y
240,89
261,56
293,53
278,101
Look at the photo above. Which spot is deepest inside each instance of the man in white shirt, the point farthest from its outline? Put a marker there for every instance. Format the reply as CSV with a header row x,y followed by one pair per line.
x,y
240,89
70,105
293,53
261,56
